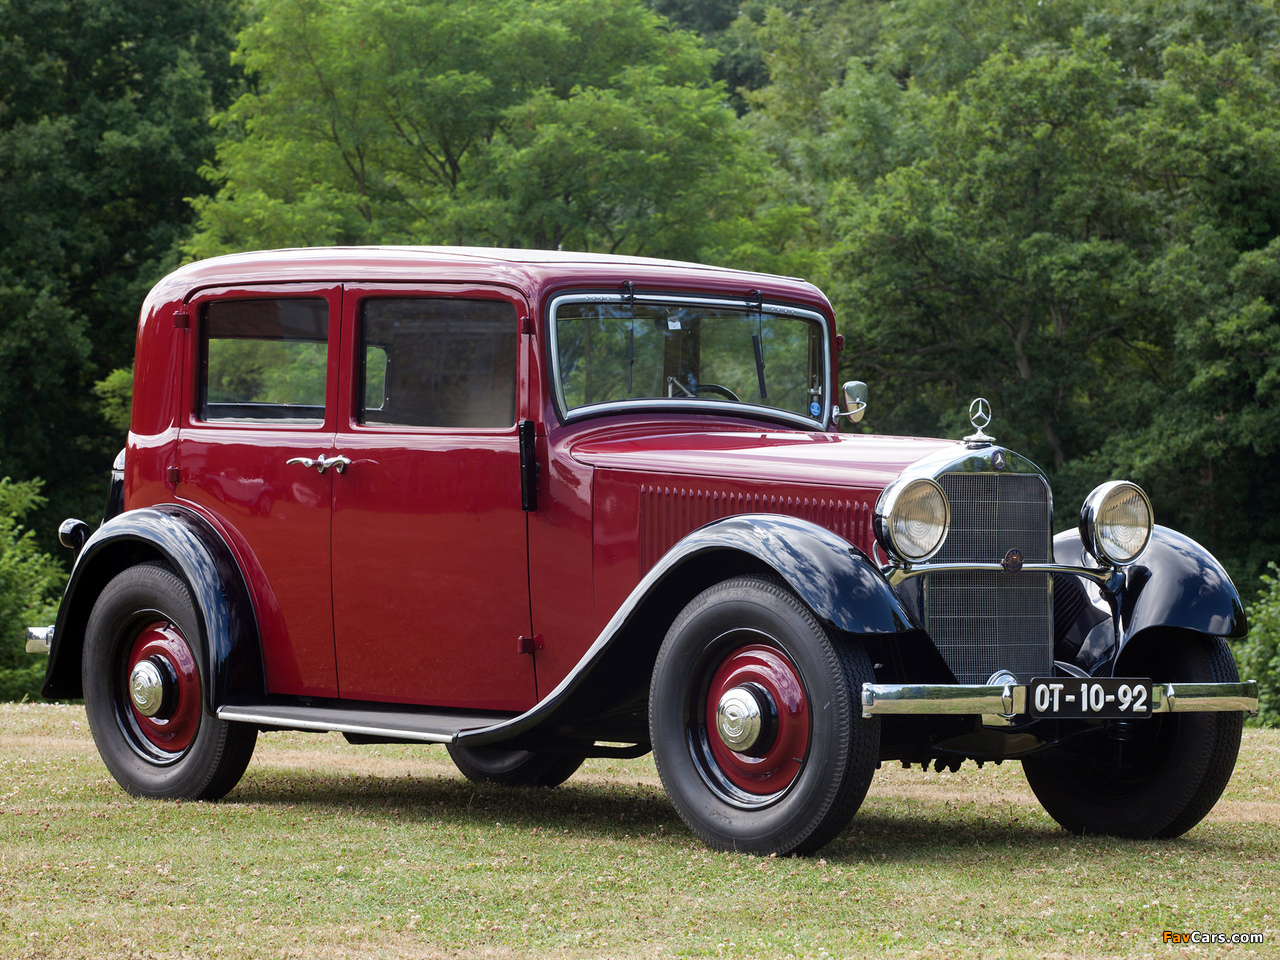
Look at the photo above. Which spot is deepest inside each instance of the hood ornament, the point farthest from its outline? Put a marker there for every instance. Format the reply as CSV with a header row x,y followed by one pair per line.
x,y
979,416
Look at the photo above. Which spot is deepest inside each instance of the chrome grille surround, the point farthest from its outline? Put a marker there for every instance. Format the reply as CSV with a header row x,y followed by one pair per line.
x,y
981,621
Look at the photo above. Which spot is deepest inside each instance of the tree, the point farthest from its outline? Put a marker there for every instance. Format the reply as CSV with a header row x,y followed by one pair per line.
x,y
104,110
1258,655
30,582
577,123
1208,149
1006,262
1070,208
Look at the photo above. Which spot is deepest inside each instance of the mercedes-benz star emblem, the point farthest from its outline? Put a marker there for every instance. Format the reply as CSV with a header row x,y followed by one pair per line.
x,y
997,459
980,413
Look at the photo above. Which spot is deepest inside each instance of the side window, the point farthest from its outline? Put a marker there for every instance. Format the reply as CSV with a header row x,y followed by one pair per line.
x,y
264,360
438,363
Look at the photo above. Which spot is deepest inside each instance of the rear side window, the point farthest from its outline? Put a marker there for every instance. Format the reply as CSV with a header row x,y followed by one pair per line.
x,y
438,363
264,360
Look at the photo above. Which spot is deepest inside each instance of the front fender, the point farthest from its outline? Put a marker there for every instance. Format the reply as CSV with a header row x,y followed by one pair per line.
x,y
1177,583
228,645
838,582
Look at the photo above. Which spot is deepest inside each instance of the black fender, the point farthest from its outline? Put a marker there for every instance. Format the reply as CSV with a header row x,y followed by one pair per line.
x,y
842,586
228,646
1176,584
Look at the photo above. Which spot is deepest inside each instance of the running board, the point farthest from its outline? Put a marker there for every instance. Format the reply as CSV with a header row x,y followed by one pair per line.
x,y
435,727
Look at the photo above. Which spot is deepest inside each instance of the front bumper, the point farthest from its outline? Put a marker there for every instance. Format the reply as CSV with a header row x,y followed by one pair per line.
x,y
1010,699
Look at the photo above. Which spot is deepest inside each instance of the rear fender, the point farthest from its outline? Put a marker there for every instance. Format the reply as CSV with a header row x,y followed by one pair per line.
x,y
228,644
838,582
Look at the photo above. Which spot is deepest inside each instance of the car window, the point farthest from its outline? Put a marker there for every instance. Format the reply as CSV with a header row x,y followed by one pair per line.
x,y
264,360
435,362
610,353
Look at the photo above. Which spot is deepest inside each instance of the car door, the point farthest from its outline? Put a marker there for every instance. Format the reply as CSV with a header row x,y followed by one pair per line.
x,y
263,403
430,541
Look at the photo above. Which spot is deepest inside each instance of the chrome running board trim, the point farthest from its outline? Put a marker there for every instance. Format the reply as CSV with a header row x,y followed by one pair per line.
x,y
401,725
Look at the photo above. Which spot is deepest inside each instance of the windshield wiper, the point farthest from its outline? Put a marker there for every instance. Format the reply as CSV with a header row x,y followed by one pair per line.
x,y
755,342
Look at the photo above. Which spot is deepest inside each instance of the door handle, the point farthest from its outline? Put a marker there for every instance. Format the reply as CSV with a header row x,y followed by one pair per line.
x,y
322,463
339,463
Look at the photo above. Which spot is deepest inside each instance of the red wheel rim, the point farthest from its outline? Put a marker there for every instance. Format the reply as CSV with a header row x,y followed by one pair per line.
x,y
174,727
780,758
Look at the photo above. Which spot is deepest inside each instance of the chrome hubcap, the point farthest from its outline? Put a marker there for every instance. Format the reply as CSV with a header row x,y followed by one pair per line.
x,y
739,718
146,688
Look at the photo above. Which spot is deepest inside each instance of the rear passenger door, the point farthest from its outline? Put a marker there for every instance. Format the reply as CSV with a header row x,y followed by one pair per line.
x,y
430,576
264,392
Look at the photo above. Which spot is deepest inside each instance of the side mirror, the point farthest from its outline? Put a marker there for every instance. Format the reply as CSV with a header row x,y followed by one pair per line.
x,y
855,400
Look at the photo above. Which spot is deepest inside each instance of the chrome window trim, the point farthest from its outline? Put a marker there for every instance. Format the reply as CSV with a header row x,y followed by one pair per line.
x,y
750,410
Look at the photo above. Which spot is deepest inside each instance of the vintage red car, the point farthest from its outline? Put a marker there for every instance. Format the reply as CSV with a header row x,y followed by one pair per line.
x,y
544,506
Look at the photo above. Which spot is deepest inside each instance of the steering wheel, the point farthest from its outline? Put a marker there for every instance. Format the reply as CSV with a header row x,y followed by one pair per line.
x,y
719,391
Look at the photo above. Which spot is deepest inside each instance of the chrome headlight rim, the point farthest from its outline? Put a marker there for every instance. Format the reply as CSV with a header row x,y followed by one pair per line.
x,y
882,520
1100,499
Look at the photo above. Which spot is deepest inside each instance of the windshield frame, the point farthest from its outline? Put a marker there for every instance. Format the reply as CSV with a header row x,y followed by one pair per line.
x,y
744,409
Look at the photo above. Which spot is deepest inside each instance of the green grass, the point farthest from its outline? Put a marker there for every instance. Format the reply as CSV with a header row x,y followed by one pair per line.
x,y
329,850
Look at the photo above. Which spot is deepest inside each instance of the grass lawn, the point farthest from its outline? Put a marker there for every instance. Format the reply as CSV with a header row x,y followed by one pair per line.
x,y
330,850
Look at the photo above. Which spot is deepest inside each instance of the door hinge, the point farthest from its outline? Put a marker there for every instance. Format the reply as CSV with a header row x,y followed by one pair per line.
x,y
529,644
174,475
181,317
528,466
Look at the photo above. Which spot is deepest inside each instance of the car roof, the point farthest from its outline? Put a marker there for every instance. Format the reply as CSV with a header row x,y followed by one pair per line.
x,y
531,271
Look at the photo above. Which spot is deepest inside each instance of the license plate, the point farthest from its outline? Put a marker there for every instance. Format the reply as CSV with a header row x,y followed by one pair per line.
x,y
1069,697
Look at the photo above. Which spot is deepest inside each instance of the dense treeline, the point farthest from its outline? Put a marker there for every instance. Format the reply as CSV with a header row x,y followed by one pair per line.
x,y
1068,206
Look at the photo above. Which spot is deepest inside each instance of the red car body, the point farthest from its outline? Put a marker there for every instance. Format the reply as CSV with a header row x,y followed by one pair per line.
x,y
505,587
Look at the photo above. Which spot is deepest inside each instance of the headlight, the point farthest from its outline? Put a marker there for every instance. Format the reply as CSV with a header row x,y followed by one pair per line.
x,y
1115,522
911,519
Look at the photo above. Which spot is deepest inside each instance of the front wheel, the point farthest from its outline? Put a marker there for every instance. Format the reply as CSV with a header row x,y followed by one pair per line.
x,y
1156,777
755,721
143,692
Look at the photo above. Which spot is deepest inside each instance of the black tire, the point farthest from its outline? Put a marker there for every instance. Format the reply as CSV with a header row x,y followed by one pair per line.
x,y
751,632
1167,778
182,752
515,768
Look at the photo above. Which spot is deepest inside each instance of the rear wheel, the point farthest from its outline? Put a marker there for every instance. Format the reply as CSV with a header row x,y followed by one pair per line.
x,y
515,768
755,721
143,691
1147,778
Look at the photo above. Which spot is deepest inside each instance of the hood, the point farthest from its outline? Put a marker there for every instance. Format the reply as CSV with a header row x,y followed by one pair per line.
x,y
860,460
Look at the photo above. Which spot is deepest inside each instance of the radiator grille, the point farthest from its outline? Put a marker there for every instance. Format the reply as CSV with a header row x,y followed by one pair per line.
x,y
984,622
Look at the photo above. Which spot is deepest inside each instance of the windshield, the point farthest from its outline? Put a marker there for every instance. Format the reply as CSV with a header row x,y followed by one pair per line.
x,y
611,352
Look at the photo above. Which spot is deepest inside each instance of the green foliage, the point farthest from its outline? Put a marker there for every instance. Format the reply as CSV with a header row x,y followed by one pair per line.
x,y
1258,656
266,371
1068,207
571,123
115,399
104,108
1006,261
30,582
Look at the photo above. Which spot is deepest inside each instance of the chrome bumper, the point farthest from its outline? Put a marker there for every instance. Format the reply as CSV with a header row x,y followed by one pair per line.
x,y
1010,700
39,640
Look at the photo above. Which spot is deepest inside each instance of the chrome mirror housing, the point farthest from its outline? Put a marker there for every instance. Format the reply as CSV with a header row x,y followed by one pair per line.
x,y
855,401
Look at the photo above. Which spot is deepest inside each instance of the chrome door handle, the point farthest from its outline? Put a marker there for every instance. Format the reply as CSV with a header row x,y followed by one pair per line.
x,y
322,463
339,463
